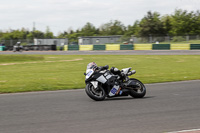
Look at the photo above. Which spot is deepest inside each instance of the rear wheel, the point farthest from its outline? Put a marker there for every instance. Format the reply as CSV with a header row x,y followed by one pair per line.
x,y
138,90
97,94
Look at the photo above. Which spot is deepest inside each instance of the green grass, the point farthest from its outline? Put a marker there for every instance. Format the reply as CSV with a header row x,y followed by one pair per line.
x,y
57,72
19,58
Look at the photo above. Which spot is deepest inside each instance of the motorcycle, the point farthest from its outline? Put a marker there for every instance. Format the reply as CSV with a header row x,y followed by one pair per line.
x,y
18,47
101,83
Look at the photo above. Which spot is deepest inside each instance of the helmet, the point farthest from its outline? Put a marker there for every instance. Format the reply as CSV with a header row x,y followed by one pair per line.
x,y
18,43
91,65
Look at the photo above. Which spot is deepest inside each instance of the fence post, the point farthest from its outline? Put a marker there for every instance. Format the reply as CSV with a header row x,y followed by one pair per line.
x,y
11,42
187,38
168,37
150,38
197,37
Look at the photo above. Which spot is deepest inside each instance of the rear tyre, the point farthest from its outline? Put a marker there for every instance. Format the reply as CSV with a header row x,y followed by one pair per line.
x,y
139,90
97,94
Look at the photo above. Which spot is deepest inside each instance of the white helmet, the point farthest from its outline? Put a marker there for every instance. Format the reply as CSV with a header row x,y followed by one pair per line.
x,y
91,65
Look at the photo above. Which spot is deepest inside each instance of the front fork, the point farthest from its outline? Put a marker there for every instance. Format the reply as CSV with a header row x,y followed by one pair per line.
x,y
95,84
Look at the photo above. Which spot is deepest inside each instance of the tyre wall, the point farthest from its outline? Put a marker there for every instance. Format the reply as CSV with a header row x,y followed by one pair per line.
x,y
134,47
109,47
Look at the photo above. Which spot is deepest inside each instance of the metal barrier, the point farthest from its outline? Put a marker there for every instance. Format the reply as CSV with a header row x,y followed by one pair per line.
x,y
33,48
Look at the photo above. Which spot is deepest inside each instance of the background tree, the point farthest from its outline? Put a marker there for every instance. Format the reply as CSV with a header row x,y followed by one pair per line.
x,y
151,24
183,22
197,22
132,30
48,34
112,28
167,24
62,35
35,34
88,30
73,36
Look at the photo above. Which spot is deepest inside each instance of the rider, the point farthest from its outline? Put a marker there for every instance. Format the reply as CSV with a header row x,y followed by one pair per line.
x,y
113,70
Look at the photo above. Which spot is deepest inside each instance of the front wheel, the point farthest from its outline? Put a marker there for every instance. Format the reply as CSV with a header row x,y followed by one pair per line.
x,y
97,94
138,90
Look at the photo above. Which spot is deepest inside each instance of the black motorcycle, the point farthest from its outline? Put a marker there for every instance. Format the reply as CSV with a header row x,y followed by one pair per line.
x,y
18,47
102,83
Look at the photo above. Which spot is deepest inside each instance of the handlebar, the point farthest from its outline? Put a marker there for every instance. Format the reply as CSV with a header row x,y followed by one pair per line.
x,y
103,68
131,72
99,68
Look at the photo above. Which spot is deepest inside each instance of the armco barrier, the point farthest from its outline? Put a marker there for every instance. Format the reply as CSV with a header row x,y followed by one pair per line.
x,y
161,47
112,47
8,48
180,46
195,46
39,47
73,47
85,47
126,47
142,46
99,47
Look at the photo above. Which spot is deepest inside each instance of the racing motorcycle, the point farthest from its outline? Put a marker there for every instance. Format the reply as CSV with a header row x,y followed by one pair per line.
x,y
102,83
18,47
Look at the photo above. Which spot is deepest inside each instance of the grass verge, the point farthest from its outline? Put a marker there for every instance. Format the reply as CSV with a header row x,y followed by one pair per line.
x,y
57,72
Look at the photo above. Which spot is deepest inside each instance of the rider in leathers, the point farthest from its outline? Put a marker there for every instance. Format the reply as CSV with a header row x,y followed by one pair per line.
x,y
113,70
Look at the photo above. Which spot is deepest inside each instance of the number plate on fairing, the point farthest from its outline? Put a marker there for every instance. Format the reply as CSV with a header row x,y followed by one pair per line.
x,y
114,90
89,73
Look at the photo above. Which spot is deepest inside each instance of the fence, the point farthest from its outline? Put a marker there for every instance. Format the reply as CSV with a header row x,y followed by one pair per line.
x,y
145,39
12,42
57,42
187,39
166,39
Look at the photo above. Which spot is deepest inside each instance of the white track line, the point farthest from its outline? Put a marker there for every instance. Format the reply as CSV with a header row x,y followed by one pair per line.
x,y
186,131
175,82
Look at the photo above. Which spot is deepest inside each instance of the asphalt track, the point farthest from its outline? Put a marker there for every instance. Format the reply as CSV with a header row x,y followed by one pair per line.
x,y
166,107
121,52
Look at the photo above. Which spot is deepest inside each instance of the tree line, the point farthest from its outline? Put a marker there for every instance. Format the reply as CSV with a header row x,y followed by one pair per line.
x,y
181,22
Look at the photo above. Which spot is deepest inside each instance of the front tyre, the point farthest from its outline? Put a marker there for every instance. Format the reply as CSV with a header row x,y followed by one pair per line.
x,y
97,94
138,90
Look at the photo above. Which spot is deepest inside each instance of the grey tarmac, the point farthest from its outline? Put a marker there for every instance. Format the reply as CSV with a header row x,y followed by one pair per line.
x,y
166,107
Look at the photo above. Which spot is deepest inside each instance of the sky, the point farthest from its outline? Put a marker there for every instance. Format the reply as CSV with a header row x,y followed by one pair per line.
x,y
64,15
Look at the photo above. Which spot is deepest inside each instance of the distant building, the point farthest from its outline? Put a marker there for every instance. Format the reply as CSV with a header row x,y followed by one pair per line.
x,y
57,42
99,40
